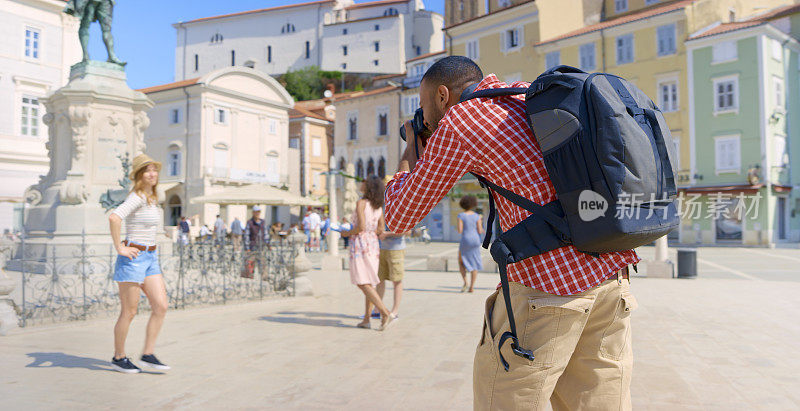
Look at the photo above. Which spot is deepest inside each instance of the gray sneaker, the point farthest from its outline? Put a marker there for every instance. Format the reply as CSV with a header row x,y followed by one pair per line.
x,y
151,361
124,365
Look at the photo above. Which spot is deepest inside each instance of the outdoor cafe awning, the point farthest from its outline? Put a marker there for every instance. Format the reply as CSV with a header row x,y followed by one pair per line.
x,y
256,194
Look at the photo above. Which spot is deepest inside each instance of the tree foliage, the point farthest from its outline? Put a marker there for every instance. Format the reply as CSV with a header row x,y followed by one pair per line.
x,y
309,83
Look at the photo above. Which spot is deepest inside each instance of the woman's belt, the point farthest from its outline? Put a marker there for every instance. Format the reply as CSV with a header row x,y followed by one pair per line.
x,y
140,247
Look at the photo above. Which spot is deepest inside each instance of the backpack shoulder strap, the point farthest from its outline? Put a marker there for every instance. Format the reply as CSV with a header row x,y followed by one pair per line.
x,y
469,94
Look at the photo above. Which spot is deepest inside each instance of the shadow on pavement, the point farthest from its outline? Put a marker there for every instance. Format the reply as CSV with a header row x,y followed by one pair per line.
x,y
319,314
58,359
305,318
449,290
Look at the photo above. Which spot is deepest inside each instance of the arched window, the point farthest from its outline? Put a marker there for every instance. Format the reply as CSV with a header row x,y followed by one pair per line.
x,y
382,167
174,167
174,216
360,168
288,28
391,11
370,167
216,38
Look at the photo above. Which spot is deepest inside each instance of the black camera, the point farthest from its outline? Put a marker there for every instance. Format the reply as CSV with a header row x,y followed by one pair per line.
x,y
419,127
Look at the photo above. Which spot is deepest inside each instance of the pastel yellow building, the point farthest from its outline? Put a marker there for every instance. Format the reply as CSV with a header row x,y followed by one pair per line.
x,y
502,40
643,41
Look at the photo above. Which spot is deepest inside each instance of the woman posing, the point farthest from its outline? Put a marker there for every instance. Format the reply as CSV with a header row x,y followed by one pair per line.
x,y
470,226
137,267
368,223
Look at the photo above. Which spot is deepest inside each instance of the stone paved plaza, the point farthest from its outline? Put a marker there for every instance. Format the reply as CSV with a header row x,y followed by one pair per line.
x,y
727,340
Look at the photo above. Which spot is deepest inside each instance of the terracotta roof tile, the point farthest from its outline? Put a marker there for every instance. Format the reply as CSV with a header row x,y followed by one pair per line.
x,y
375,4
299,112
424,56
385,76
640,15
751,22
169,86
360,94
241,13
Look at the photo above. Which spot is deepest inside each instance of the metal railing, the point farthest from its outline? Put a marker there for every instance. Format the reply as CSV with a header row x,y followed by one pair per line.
x,y
76,282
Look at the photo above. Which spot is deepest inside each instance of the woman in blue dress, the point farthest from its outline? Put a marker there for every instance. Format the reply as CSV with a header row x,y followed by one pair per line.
x,y
470,226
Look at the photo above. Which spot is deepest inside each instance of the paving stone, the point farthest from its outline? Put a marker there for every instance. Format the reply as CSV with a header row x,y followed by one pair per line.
x,y
712,343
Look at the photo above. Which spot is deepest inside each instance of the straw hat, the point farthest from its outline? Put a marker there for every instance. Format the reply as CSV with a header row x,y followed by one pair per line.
x,y
141,161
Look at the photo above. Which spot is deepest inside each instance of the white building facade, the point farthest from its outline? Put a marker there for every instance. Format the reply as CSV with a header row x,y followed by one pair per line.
x,y
374,37
225,129
39,45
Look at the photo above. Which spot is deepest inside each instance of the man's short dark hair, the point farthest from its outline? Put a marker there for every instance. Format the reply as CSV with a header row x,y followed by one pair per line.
x,y
455,72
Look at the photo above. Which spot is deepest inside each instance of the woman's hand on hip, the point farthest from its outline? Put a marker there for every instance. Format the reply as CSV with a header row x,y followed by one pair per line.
x,y
130,252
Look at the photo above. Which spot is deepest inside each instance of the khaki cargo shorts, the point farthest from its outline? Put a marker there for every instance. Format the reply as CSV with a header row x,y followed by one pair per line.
x,y
391,265
581,344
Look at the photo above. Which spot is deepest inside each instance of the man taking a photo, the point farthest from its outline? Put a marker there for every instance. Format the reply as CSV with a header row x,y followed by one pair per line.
x,y
574,308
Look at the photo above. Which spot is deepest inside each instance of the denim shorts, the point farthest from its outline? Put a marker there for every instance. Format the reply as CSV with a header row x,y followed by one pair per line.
x,y
135,270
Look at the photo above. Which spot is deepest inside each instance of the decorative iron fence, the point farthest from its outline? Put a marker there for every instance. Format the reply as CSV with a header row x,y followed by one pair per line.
x,y
76,282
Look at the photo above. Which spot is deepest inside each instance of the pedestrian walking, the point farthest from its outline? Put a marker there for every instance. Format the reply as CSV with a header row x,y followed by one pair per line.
x,y
255,244
470,226
574,307
365,250
236,233
306,223
219,230
185,228
137,269
325,228
316,229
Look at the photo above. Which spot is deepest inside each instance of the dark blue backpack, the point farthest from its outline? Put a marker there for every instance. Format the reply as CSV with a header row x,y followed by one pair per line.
x,y
610,156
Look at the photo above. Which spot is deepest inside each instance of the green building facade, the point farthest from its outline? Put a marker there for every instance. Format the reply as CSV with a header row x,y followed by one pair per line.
x,y
744,131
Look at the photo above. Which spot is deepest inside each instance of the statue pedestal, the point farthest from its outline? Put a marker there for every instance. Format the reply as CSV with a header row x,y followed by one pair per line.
x,y
92,121
8,316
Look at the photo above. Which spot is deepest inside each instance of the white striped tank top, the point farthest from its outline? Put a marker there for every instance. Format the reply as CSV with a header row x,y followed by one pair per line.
x,y
141,219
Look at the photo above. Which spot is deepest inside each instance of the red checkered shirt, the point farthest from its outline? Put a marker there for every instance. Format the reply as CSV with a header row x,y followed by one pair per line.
x,y
491,138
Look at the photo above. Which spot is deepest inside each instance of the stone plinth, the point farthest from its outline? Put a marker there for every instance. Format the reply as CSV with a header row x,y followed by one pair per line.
x,y
301,264
435,263
8,315
92,121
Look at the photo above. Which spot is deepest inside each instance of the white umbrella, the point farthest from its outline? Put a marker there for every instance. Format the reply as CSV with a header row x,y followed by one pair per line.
x,y
256,194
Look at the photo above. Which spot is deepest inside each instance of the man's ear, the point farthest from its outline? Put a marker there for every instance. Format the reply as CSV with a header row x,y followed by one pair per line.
x,y
442,96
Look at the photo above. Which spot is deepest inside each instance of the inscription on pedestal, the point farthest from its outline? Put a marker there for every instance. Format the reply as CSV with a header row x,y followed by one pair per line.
x,y
107,168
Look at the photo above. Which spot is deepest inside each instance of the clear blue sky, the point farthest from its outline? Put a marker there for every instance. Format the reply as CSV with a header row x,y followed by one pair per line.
x,y
144,37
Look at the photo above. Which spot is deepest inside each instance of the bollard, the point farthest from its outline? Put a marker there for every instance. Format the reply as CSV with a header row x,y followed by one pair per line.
x,y
301,264
687,263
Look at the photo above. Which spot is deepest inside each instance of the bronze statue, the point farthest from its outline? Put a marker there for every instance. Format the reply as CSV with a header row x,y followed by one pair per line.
x,y
89,11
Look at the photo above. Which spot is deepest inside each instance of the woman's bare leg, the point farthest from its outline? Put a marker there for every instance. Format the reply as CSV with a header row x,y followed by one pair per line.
x,y
398,294
372,296
474,275
462,269
156,293
129,301
367,311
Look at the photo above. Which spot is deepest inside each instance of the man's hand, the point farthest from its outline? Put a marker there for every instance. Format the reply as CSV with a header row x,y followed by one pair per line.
x,y
409,158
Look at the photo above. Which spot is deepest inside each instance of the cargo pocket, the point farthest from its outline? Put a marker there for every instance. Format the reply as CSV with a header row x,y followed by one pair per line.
x,y
554,323
617,335
486,334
